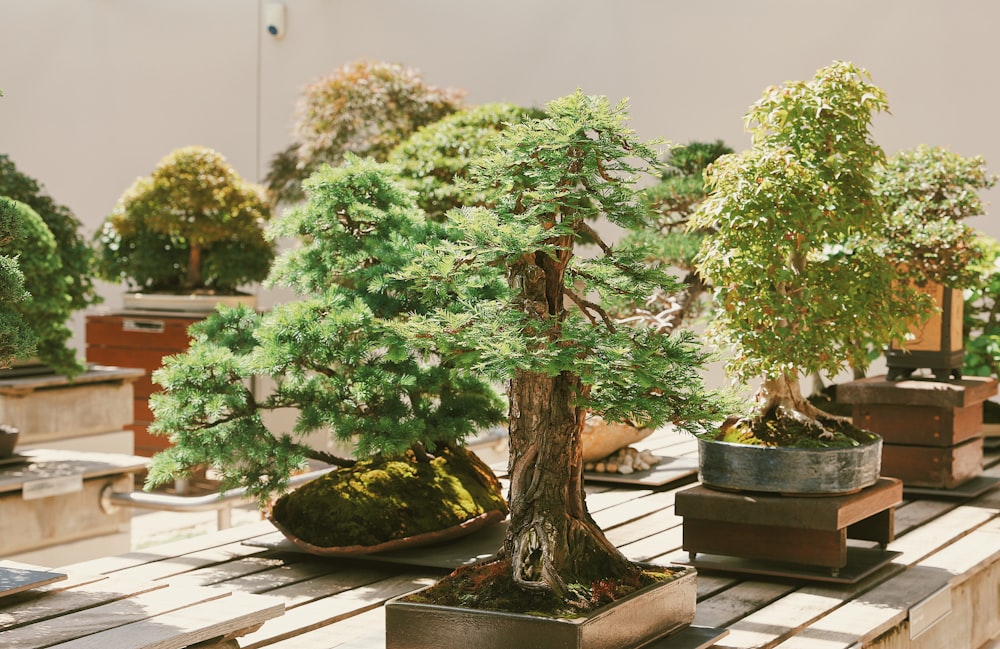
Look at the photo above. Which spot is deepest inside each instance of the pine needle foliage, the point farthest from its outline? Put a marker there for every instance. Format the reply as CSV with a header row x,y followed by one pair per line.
x,y
334,355
17,340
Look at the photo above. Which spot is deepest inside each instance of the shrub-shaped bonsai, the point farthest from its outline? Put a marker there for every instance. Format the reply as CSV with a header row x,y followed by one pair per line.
x,y
800,279
334,356
192,226
435,160
365,108
560,352
75,253
669,240
17,340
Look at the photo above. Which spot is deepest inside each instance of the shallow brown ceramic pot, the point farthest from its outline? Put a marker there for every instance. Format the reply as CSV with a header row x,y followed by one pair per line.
x,y
631,622
745,467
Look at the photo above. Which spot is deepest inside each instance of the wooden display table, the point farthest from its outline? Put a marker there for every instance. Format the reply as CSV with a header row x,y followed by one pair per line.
x,y
50,505
931,430
809,531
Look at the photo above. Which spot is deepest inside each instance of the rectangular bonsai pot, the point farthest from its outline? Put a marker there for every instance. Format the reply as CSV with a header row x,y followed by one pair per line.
x,y
631,622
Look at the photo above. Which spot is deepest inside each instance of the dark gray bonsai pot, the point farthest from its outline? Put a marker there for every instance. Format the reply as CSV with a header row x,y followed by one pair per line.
x,y
633,621
745,467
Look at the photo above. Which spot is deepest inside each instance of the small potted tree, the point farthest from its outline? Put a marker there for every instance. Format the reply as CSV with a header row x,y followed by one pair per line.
x,y
334,357
562,356
365,108
187,236
800,282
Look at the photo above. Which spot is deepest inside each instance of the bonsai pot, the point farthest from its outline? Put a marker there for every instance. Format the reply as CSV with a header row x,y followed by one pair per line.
x,y
8,440
628,623
746,467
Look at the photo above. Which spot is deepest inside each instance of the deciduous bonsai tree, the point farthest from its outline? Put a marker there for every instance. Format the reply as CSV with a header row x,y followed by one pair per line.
x,y
192,226
981,323
336,358
795,256
365,108
561,354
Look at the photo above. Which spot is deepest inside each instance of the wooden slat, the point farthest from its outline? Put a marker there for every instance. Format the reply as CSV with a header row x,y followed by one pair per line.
x,y
183,628
737,602
34,607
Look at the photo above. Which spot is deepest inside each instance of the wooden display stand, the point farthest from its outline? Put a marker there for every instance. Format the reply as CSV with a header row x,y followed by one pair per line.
x,y
800,530
139,339
931,430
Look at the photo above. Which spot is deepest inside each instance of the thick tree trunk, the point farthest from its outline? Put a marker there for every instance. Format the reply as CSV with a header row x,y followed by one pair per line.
x,y
551,538
193,279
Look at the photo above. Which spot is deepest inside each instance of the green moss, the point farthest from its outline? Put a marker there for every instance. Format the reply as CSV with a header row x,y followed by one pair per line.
x,y
791,433
382,500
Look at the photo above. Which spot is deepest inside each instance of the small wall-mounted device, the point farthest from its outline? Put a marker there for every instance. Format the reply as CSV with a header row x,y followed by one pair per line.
x,y
274,19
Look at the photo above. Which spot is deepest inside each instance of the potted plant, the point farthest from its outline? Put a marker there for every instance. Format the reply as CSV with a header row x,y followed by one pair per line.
x,y
56,261
365,108
799,281
562,356
929,192
335,358
193,230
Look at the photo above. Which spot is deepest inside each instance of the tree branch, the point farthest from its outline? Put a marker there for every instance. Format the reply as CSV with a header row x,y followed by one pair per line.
x,y
589,308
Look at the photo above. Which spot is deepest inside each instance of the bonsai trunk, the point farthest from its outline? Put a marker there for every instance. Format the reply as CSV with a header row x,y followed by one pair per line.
x,y
552,540
193,279
781,398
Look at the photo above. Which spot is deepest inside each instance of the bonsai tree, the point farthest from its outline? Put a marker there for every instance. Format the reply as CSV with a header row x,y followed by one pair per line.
x,y
17,340
800,280
75,254
365,108
435,160
560,353
48,305
981,322
670,241
193,225
334,355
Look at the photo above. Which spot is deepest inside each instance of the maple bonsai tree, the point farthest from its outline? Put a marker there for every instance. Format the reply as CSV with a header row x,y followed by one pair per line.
x,y
193,225
559,351
796,253
335,357
364,108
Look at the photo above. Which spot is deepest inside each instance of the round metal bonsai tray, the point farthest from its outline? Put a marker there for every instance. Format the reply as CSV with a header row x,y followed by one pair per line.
x,y
802,471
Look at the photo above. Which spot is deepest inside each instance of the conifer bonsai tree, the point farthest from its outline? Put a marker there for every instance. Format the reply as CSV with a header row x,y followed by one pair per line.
x,y
365,108
981,322
795,252
336,358
560,353
669,240
192,226
17,340
435,160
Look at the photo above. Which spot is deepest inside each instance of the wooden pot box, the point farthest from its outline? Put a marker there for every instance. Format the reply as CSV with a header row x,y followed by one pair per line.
x,y
932,430
139,339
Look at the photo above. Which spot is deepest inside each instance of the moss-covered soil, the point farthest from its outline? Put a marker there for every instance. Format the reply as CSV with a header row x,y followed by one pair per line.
x,y
490,586
770,430
383,500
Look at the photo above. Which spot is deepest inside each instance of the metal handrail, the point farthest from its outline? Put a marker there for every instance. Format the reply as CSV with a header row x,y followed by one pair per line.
x,y
221,502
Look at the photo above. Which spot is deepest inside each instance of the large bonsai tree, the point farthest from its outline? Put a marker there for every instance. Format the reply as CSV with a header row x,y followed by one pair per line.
x,y
193,225
800,279
560,353
17,340
334,355
365,108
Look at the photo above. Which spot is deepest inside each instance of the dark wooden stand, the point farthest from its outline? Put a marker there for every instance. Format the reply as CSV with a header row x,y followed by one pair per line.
x,y
139,339
931,430
803,530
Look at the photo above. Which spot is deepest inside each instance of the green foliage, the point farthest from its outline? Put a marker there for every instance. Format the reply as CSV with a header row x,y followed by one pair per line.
x,y
365,108
928,192
75,254
799,279
334,355
49,305
192,225
981,324
435,160
548,178
17,340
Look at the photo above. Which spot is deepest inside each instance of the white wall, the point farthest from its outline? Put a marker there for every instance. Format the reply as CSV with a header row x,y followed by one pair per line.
x,y
97,91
